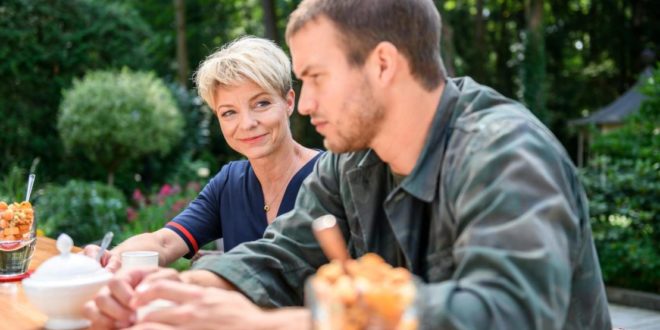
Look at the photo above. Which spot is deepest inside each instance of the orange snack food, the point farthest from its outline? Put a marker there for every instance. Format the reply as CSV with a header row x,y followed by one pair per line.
x,y
15,220
366,293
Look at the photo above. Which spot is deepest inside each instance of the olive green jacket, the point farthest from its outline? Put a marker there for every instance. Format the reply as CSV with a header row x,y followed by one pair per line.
x,y
493,220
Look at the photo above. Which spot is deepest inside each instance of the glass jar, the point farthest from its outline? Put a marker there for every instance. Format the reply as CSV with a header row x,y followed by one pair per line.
x,y
17,238
362,296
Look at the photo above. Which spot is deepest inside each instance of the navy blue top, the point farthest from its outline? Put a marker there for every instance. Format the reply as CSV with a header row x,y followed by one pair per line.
x,y
231,206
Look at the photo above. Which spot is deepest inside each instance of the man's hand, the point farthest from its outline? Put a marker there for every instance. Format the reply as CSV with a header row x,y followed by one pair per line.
x,y
111,261
197,307
111,308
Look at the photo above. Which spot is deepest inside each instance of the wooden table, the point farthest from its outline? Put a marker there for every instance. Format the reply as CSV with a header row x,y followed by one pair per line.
x,y
16,313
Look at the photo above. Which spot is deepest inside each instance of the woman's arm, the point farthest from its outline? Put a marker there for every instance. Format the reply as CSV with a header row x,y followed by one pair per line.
x,y
164,241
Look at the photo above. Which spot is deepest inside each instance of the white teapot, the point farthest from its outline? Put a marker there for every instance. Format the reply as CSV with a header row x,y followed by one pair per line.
x,y
62,285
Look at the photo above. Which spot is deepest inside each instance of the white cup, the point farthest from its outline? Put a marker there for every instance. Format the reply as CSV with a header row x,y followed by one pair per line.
x,y
139,259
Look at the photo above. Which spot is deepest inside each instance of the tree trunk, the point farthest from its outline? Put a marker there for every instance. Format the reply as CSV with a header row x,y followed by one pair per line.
x,y
479,44
447,47
502,78
181,49
534,64
270,20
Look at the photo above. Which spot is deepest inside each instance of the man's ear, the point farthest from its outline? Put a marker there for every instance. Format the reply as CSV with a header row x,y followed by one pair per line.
x,y
384,62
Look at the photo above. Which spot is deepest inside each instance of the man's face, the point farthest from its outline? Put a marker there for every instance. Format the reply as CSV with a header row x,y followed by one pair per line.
x,y
338,97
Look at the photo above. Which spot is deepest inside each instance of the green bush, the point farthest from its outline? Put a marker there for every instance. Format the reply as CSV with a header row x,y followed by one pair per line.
x,y
624,208
43,46
83,210
149,213
623,184
115,117
156,170
12,185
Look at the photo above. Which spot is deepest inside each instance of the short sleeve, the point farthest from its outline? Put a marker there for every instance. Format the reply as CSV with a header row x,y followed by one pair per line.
x,y
199,223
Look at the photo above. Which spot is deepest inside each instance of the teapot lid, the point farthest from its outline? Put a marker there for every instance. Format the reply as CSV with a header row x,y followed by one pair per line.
x,y
67,266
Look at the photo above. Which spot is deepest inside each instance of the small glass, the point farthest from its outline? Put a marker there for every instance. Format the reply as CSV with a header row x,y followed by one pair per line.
x,y
369,311
15,255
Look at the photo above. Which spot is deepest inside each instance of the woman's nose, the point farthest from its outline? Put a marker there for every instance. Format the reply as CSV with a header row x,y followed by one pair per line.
x,y
248,121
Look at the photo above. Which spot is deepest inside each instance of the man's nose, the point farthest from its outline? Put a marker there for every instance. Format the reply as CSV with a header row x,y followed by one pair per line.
x,y
306,104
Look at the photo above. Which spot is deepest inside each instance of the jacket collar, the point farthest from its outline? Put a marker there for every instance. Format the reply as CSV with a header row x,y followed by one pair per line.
x,y
423,180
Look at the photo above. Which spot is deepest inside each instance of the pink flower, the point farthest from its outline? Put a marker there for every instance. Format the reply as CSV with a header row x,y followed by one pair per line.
x,y
177,207
131,214
193,186
165,190
138,197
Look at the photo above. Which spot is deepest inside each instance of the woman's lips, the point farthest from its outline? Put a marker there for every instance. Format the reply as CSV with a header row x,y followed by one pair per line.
x,y
253,139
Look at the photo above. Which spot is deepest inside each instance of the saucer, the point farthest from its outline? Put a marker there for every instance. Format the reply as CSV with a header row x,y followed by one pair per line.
x,y
16,277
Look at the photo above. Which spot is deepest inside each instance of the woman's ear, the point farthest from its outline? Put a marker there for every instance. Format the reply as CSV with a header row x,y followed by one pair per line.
x,y
290,101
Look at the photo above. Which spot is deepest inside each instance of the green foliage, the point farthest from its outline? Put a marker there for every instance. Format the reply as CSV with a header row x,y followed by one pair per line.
x,y
194,146
623,184
624,208
116,117
640,137
12,185
149,213
83,210
44,45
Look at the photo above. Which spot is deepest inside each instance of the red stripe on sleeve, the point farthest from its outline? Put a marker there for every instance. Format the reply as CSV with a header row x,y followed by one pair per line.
x,y
185,232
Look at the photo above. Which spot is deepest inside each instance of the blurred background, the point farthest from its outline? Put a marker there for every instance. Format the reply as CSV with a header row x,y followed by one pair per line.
x,y
96,98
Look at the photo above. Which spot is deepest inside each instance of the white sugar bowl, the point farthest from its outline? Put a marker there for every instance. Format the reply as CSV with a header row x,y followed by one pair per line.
x,y
62,285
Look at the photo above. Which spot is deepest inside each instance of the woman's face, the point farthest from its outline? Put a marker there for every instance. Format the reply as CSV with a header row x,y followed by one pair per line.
x,y
254,122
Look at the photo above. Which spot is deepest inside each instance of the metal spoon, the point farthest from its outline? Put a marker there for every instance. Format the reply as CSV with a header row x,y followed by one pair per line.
x,y
29,187
104,245
30,184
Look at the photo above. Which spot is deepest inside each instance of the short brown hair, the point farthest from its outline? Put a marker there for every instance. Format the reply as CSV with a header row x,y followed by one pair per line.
x,y
413,26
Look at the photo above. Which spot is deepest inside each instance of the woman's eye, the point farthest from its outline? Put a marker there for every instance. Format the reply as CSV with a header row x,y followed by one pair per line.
x,y
262,104
227,113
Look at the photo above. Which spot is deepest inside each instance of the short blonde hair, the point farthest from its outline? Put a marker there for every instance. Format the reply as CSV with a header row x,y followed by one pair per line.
x,y
247,58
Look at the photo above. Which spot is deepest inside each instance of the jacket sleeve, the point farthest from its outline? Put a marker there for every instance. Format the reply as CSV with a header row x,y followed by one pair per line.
x,y
269,270
511,193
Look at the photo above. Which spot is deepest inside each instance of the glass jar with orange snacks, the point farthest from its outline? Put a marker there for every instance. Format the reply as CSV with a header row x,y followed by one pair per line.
x,y
15,221
366,293
17,238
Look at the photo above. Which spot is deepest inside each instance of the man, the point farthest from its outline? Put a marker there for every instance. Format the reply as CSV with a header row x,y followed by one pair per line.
x,y
446,177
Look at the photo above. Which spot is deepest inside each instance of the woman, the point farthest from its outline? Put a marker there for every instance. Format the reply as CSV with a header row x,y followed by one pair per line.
x,y
247,84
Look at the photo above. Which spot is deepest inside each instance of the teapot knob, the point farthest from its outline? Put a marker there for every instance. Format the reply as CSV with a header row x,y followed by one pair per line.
x,y
64,244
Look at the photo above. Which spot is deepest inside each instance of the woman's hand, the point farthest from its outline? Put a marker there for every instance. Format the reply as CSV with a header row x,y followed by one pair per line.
x,y
111,261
